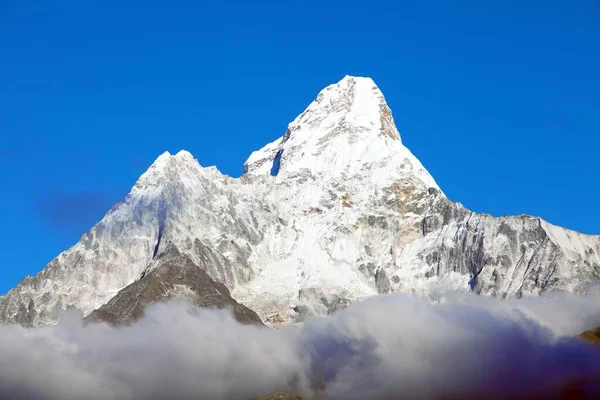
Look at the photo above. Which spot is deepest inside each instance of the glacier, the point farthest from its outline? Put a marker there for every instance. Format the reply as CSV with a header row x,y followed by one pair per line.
x,y
335,210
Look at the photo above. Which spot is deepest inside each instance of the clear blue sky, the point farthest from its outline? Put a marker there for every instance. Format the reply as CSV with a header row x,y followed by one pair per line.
x,y
499,99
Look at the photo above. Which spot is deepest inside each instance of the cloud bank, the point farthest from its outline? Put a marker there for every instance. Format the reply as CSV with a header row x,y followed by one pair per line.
x,y
393,346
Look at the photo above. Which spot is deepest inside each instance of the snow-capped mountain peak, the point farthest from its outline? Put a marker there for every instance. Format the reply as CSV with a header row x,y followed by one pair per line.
x,y
168,169
335,210
349,131
354,102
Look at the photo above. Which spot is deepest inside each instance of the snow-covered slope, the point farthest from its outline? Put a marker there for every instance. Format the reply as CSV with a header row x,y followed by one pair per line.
x,y
335,210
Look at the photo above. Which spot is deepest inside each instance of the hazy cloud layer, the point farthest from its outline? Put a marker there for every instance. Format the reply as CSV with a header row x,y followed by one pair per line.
x,y
388,346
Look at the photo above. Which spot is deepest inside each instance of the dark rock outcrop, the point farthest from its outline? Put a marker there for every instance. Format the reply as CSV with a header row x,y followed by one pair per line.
x,y
174,275
592,336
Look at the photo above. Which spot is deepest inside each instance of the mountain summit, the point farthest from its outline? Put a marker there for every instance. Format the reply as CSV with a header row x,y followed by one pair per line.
x,y
346,130
335,210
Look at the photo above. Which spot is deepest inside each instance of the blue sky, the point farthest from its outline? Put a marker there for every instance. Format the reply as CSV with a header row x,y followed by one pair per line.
x,y
498,99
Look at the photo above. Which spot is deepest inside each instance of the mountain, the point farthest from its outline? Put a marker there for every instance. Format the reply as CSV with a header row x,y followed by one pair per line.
x,y
335,210
177,276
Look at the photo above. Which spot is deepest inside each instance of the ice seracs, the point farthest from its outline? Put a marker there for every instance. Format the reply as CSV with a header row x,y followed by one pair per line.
x,y
335,210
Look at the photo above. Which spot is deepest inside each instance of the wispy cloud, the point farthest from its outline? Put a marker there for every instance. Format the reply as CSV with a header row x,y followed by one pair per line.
x,y
74,213
392,346
6,153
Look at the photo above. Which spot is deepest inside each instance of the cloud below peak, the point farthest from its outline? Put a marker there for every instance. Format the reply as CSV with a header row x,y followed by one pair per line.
x,y
393,346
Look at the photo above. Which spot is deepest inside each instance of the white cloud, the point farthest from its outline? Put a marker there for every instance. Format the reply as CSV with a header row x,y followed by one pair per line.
x,y
393,345
399,347
174,352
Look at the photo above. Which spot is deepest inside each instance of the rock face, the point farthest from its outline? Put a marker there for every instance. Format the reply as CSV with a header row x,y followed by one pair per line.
x,y
592,336
177,276
335,210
